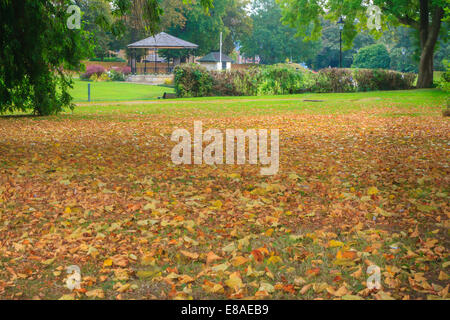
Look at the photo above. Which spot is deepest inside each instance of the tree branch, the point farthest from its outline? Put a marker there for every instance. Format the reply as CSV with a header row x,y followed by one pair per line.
x,y
402,19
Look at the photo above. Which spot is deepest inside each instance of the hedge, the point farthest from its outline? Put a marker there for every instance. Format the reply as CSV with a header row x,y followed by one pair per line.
x,y
193,80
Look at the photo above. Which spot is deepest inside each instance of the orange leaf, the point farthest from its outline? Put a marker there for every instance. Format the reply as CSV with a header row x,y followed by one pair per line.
x,y
192,255
257,255
211,257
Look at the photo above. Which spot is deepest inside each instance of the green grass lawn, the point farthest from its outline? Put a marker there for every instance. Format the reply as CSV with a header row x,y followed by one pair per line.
x,y
116,91
411,102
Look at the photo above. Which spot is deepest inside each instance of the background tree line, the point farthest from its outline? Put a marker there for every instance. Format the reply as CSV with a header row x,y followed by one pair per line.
x,y
256,29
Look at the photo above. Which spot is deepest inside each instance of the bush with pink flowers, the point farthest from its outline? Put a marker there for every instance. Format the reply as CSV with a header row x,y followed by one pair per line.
x,y
96,72
91,70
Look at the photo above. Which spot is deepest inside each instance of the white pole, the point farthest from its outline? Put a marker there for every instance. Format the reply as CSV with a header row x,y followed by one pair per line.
x,y
220,53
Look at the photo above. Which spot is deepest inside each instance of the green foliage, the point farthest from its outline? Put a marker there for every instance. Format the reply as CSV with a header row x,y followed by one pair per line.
x,y
302,14
279,79
271,40
192,80
190,23
444,81
380,79
402,62
116,75
374,56
97,19
334,80
36,50
195,81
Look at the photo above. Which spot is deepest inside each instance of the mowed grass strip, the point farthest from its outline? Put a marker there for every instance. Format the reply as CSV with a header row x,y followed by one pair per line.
x,y
394,103
116,91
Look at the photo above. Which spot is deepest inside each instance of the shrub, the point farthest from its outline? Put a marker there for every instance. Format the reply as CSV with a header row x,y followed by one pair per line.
x,y
374,56
280,79
379,79
91,70
246,81
116,75
444,81
192,80
168,82
334,80
223,84
104,77
126,70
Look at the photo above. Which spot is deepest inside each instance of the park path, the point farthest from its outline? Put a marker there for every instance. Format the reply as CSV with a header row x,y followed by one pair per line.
x,y
162,101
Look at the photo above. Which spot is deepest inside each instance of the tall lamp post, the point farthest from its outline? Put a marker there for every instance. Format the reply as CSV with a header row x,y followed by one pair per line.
x,y
341,26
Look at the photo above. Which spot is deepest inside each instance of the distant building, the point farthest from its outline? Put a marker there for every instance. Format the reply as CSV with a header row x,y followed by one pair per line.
x,y
212,61
241,59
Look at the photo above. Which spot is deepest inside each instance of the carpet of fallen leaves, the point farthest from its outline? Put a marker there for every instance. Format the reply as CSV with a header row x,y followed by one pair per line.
x,y
353,190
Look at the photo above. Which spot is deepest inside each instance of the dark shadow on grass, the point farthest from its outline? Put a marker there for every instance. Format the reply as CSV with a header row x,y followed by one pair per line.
x,y
18,116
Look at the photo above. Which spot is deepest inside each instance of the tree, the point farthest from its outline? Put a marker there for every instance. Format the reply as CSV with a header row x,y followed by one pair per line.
x,y
191,24
425,16
328,53
36,50
374,56
97,15
238,22
271,40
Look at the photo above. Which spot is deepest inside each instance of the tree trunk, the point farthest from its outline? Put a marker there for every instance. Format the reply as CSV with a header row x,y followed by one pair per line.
x,y
428,38
425,79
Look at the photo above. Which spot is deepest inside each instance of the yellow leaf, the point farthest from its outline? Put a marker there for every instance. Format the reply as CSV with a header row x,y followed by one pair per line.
x,y
148,260
274,260
335,243
93,252
269,232
234,175
372,191
341,291
357,273
264,286
96,293
48,261
124,287
220,267
217,204
107,263
238,260
68,210
351,297
443,276
235,281
211,287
